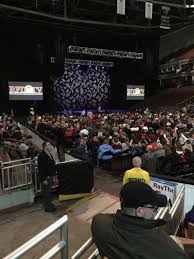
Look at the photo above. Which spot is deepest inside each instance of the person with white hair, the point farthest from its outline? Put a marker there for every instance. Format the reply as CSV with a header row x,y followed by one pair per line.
x,y
136,173
160,152
148,155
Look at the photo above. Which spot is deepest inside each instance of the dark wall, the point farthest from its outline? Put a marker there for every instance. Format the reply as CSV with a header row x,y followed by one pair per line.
x,y
26,49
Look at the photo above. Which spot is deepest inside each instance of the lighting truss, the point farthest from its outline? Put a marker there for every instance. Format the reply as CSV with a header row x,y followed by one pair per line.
x,y
105,52
88,62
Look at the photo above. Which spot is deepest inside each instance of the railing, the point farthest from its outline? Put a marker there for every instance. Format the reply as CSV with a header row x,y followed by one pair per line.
x,y
83,249
36,180
16,174
176,213
61,247
185,101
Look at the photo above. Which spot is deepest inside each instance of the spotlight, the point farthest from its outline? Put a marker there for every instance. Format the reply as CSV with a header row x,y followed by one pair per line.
x,y
89,66
102,67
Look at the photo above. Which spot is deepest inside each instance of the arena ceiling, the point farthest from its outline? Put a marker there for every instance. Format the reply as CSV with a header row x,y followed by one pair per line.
x,y
96,13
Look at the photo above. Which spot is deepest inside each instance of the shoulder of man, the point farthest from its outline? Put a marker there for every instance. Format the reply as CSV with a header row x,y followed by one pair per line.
x,y
102,222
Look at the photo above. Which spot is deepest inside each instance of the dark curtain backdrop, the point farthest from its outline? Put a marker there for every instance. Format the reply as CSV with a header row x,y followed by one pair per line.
x,y
81,87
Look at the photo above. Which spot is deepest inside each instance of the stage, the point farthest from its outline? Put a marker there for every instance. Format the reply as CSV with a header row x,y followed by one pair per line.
x,y
82,112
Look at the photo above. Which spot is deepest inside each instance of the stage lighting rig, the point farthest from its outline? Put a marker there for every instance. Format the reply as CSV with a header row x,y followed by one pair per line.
x,y
105,52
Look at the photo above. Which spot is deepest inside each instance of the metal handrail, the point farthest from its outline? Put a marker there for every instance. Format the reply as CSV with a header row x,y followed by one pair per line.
x,y
16,161
83,248
13,166
176,203
62,246
8,173
187,99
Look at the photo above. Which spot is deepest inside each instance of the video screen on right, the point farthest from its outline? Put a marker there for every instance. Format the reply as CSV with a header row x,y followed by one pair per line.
x,y
135,92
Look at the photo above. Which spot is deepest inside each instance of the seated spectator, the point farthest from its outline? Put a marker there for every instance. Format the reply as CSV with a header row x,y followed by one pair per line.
x,y
148,155
160,151
81,150
132,232
125,145
136,150
189,217
106,151
23,148
136,173
116,144
4,155
171,162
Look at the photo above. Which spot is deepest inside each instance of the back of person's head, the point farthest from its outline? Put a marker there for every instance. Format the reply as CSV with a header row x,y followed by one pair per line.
x,y
139,199
44,144
106,141
136,161
173,148
149,148
159,146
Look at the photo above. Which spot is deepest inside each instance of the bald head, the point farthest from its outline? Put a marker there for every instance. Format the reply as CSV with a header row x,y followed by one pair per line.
x,y
136,161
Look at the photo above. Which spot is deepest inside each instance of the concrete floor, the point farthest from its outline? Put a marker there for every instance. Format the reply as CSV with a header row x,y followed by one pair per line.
x,y
18,227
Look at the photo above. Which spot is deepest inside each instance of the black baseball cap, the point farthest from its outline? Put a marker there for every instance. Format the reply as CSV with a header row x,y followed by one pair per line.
x,y
136,194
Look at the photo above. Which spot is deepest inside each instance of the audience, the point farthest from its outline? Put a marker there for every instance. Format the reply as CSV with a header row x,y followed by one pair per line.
x,y
14,144
145,133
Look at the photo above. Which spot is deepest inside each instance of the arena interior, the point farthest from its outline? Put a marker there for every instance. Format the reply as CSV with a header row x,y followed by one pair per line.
x,y
96,97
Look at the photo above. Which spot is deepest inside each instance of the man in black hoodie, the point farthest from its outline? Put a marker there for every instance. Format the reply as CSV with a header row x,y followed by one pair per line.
x,y
132,232
47,169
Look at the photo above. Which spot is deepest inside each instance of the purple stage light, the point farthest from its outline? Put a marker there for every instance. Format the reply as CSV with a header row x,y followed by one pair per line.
x,y
89,66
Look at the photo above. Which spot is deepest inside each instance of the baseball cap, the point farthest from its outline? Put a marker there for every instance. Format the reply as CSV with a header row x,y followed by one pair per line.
x,y
137,194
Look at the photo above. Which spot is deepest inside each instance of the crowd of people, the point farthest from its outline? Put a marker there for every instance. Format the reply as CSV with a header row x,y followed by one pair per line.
x,y
164,140
160,141
13,143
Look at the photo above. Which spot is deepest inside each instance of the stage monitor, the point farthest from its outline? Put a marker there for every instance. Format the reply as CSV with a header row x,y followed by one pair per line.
x,y
135,92
25,91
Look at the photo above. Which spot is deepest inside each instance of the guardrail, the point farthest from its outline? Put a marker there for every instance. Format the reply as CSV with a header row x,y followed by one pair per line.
x,y
60,247
185,101
16,174
176,213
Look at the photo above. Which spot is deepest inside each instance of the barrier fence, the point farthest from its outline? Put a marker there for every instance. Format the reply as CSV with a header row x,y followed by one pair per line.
x,y
60,247
16,174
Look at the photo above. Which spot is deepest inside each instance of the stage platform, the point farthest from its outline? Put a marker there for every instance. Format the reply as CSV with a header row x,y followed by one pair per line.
x,y
79,112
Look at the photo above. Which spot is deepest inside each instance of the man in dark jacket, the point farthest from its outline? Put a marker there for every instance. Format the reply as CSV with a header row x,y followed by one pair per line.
x,y
46,169
132,232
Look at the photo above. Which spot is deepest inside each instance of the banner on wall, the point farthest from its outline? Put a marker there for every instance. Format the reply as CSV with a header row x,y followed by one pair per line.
x,y
165,18
165,187
121,7
148,10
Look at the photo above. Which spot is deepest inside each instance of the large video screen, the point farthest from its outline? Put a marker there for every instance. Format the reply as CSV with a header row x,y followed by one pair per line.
x,y
25,91
135,92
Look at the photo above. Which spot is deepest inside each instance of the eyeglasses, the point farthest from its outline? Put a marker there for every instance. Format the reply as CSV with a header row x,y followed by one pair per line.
x,y
155,208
